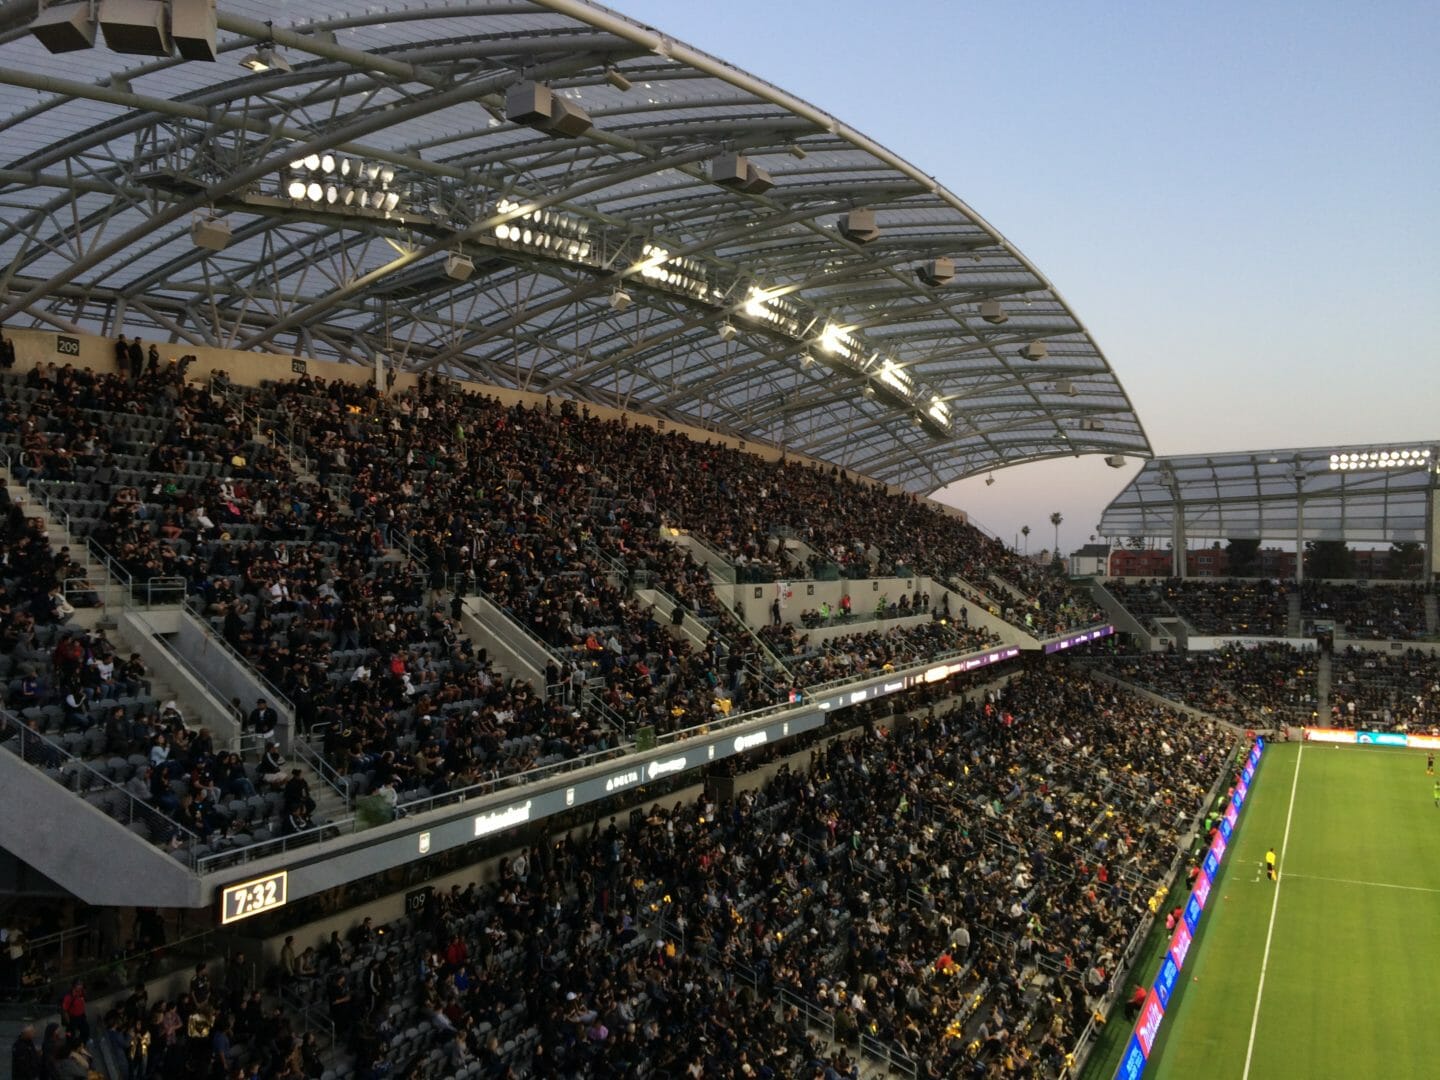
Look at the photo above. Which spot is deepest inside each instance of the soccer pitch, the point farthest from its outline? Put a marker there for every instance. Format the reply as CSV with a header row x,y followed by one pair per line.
x,y
1330,972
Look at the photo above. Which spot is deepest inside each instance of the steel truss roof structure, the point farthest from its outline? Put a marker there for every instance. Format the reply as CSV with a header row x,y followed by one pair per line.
x,y
1377,492
499,255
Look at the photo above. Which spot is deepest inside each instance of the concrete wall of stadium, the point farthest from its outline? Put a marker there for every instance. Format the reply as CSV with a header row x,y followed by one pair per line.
x,y
34,347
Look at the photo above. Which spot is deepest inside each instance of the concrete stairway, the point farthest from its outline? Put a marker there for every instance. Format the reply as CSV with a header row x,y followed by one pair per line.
x,y
110,592
1432,615
1293,622
1323,673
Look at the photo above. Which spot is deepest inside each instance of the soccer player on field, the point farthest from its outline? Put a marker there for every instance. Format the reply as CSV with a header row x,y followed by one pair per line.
x,y
1430,763
1270,855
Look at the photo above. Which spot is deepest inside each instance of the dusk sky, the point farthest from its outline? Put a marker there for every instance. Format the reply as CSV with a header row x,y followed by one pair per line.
x,y
1240,201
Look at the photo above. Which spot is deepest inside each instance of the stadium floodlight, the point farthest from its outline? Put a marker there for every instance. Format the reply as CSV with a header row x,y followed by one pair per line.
x,y
265,58
557,234
1406,458
896,376
836,340
314,192
771,309
296,189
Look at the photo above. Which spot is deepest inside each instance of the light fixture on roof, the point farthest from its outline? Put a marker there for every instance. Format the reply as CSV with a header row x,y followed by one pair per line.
x,y
1380,459
210,233
937,272
726,330
192,28
869,391
616,79
63,28
989,479
1116,461
550,233
1066,387
620,300
265,58
458,267
136,27
536,105
738,172
993,312
1035,350
859,225
836,340
770,309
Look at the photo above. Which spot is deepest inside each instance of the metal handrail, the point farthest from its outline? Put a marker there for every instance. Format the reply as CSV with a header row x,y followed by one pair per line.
x,y
407,546
327,772
199,676
33,744
619,567
192,606
220,860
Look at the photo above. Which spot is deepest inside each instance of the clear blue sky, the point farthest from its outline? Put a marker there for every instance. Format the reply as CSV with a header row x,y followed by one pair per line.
x,y
1241,201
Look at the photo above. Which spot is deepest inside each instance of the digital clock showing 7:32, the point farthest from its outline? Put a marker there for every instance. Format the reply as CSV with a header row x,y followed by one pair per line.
x,y
253,897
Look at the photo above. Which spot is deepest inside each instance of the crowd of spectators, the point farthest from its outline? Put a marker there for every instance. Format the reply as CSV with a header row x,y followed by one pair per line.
x,y
1252,686
635,475
220,1026
959,889
539,507
1255,607
1386,691
872,651
1374,612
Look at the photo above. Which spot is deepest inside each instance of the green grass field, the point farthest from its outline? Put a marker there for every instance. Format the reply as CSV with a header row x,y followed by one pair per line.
x,y
1354,952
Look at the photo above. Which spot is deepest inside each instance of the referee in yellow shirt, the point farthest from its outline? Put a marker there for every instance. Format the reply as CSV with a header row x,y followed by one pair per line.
x,y
1270,863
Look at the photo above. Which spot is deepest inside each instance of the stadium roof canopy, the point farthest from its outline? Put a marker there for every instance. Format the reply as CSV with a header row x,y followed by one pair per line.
x,y
1378,492
478,230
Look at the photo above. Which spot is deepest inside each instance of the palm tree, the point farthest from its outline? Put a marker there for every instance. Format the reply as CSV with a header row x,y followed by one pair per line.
x,y
1056,519
1025,532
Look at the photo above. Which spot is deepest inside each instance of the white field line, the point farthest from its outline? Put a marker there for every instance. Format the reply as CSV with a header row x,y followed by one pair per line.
x,y
1274,907
1370,884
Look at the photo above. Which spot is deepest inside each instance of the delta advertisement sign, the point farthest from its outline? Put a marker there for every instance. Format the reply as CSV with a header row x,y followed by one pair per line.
x,y
1152,1015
